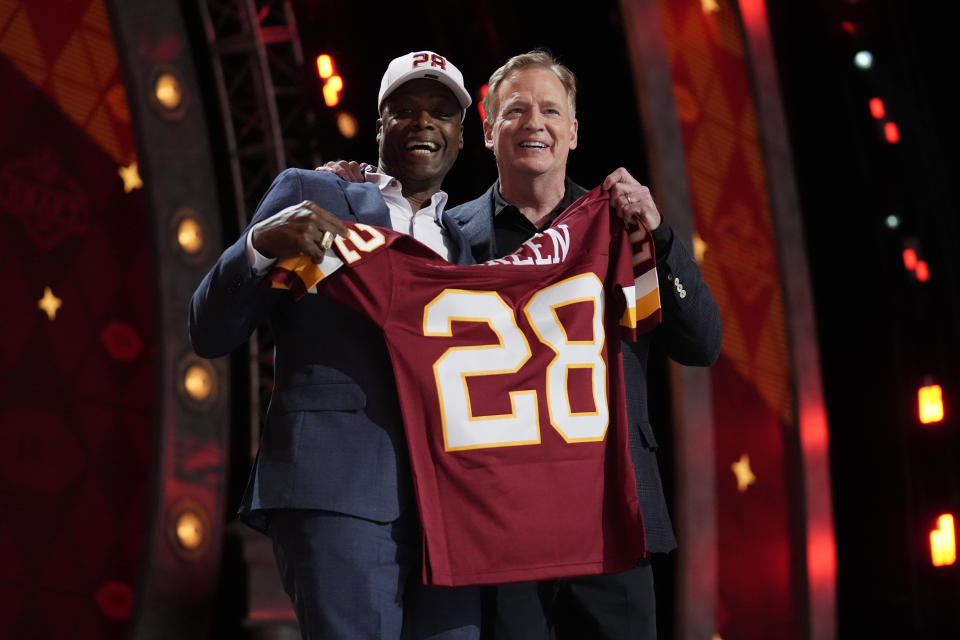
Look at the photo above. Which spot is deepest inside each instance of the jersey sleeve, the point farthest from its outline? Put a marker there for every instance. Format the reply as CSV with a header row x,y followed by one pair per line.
x,y
358,272
642,290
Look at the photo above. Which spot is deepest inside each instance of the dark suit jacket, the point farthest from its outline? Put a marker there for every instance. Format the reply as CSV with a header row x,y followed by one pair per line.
x,y
333,437
690,334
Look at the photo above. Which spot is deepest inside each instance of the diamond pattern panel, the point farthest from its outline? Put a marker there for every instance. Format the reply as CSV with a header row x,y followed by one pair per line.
x,y
72,59
752,400
76,413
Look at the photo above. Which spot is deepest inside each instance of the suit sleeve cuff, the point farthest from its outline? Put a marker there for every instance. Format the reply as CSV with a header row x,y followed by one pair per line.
x,y
259,263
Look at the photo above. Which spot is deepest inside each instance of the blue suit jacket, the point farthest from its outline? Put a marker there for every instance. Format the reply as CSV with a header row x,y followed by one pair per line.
x,y
690,334
333,437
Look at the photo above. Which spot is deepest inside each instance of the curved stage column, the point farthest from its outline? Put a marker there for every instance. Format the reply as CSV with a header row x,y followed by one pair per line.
x,y
757,554
186,506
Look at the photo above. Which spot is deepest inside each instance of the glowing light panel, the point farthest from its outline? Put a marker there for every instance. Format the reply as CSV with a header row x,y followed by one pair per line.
x,y
943,542
930,403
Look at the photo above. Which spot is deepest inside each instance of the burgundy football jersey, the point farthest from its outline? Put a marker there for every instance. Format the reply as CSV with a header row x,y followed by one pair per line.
x,y
511,387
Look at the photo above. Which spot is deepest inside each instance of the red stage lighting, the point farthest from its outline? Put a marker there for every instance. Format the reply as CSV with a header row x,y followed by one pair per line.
x,y
480,109
891,132
877,110
910,259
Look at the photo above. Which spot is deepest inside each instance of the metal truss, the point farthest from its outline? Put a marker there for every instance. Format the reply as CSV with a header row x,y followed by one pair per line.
x,y
257,64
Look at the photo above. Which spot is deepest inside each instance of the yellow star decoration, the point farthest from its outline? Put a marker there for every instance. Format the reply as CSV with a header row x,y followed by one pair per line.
x,y
709,6
699,248
131,177
49,303
741,469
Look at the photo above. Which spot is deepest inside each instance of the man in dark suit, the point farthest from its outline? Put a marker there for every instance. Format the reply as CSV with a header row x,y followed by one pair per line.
x,y
331,482
531,127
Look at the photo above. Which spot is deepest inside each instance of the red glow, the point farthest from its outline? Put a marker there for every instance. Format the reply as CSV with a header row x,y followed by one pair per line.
x,y
922,271
877,110
910,259
930,404
891,132
480,109
849,27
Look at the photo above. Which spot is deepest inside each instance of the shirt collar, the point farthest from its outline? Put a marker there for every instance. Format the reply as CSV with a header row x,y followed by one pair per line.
x,y
500,203
391,189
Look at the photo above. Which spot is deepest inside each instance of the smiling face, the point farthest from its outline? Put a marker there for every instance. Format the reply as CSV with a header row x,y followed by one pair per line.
x,y
419,133
533,129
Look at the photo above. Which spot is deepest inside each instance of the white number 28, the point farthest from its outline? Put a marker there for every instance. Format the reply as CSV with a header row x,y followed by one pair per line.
x,y
462,428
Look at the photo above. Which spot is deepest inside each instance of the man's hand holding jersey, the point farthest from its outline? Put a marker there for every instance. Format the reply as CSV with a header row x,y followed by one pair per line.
x,y
631,200
304,229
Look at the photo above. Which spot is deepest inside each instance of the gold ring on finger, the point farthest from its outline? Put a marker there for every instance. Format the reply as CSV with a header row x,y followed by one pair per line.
x,y
327,241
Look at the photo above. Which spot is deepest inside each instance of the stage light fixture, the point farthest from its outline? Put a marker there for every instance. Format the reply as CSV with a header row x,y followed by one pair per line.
x,y
190,530
198,381
168,92
943,542
892,221
877,110
930,404
188,527
863,59
347,124
190,235
167,96
921,272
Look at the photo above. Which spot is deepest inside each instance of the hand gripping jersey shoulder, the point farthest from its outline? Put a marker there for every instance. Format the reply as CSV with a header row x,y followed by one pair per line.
x,y
511,387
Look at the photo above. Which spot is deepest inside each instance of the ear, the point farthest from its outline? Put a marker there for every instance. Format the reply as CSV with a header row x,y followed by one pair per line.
x,y
460,142
488,134
379,130
573,134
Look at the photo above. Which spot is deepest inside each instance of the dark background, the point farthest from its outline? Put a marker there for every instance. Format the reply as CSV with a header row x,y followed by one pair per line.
x,y
881,333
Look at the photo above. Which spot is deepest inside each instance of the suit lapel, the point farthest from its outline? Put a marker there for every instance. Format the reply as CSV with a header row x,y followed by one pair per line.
x,y
366,203
475,221
460,241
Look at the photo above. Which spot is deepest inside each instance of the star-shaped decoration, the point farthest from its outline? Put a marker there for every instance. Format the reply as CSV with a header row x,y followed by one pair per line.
x,y
741,469
709,6
699,248
131,177
49,303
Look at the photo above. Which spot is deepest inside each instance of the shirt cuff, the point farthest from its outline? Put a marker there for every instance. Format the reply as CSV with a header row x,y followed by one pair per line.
x,y
259,263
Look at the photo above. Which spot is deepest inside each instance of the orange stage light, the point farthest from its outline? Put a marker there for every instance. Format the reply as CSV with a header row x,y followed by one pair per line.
x,y
943,542
930,404
877,110
324,66
331,91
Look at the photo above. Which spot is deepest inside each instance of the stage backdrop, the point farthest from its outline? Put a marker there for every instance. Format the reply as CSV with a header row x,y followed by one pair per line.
x,y
76,350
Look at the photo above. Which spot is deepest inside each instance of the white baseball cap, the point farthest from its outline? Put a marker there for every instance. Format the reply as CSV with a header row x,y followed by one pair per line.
x,y
423,64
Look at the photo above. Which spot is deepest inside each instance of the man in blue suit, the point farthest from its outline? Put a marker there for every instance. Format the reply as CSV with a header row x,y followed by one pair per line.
x,y
531,127
331,483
